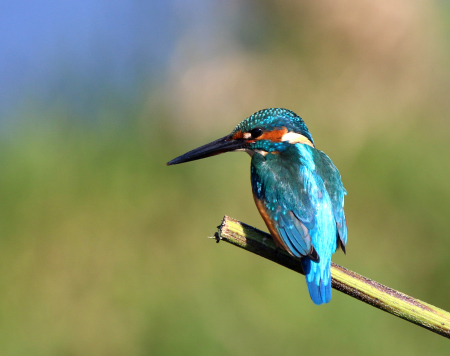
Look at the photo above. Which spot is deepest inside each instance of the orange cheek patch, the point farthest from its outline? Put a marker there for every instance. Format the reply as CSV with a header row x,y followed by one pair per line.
x,y
274,136
238,135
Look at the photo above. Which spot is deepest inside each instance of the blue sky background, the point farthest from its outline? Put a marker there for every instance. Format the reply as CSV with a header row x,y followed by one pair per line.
x,y
77,50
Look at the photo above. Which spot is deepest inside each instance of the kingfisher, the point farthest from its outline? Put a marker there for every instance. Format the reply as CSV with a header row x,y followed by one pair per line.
x,y
297,190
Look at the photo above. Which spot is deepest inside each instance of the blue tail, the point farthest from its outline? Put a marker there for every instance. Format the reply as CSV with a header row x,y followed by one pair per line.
x,y
318,280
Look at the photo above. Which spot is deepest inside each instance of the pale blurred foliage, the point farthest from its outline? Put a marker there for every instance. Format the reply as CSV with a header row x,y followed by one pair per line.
x,y
360,62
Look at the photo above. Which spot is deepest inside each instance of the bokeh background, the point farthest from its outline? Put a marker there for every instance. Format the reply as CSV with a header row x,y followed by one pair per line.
x,y
104,249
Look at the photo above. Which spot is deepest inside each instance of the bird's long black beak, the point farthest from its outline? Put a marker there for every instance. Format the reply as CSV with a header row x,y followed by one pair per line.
x,y
222,145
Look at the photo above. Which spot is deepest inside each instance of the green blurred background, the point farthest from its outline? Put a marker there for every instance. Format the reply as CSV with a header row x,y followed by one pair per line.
x,y
104,249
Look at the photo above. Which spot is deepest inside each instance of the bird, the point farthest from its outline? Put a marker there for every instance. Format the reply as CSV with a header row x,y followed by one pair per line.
x,y
296,187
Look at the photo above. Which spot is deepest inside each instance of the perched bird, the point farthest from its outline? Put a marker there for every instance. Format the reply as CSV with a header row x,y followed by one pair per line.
x,y
297,190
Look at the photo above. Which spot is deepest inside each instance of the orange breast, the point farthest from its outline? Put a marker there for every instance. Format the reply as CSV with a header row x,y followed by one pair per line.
x,y
269,223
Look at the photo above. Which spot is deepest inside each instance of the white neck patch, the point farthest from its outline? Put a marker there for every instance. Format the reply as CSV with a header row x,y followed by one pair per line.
x,y
293,137
252,152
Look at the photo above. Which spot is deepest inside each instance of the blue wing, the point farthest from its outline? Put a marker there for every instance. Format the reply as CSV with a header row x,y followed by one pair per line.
x,y
288,214
336,191
293,198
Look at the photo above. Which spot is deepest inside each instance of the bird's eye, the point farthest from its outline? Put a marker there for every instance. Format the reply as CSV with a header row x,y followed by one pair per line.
x,y
256,132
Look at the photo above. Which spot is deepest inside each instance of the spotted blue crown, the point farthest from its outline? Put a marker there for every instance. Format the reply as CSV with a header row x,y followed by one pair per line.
x,y
273,118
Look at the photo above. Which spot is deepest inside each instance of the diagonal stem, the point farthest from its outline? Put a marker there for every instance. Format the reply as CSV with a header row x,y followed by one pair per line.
x,y
344,280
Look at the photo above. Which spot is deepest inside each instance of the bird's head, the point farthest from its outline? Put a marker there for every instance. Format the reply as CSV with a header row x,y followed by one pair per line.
x,y
266,131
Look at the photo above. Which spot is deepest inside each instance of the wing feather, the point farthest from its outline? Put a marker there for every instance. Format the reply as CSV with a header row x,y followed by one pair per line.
x,y
301,198
336,191
282,197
